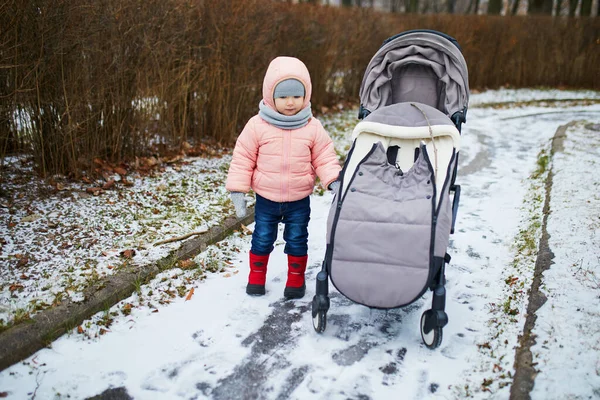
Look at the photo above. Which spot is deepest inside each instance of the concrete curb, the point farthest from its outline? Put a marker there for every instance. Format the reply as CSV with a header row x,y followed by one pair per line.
x,y
525,371
22,340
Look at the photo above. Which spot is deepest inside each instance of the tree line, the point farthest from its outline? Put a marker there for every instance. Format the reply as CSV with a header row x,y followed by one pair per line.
x,y
119,79
569,8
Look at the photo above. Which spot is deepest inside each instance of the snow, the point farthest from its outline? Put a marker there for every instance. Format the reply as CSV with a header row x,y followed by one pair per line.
x,y
222,344
568,343
78,238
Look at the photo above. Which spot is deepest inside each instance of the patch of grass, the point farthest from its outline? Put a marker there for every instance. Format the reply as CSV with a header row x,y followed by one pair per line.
x,y
4,325
542,164
181,290
212,264
509,309
107,318
21,315
137,285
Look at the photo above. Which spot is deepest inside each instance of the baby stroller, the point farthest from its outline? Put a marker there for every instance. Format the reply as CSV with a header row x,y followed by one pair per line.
x,y
390,221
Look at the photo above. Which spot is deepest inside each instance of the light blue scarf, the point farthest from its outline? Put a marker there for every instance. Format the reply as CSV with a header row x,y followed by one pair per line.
x,y
284,121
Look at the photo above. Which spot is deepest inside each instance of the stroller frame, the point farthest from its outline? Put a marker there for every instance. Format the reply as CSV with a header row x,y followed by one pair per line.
x,y
434,319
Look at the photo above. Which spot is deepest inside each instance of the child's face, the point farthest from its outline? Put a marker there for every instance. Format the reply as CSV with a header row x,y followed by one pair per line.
x,y
289,105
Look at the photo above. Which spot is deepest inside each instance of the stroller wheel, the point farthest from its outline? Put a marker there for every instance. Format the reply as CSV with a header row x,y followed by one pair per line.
x,y
433,338
320,321
319,313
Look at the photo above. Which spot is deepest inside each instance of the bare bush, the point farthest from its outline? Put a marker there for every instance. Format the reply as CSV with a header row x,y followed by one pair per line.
x,y
116,79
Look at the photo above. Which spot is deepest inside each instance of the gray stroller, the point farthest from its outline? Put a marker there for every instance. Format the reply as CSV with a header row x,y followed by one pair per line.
x,y
390,221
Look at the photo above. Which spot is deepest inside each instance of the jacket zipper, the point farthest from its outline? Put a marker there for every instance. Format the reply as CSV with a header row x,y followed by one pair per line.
x,y
286,166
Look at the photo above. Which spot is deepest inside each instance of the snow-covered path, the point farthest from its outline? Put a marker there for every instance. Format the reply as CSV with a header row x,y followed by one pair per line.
x,y
223,344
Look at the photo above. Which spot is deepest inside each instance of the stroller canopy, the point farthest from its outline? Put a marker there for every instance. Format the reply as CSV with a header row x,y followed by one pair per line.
x,y
422,66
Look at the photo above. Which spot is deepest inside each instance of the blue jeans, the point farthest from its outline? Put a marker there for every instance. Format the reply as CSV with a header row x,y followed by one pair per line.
x,y
267,216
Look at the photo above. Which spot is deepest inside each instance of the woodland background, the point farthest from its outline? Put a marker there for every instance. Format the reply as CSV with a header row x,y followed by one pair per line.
x,y
82,80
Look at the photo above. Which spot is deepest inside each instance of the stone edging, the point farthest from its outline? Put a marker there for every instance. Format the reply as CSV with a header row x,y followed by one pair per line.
x,y
24,339
525,371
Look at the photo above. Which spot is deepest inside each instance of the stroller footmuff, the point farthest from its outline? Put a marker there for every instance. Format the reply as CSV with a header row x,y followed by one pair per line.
x,y
389,224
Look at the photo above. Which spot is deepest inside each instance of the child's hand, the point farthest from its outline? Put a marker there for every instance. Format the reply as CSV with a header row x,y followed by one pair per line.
x,y
239,202
333,186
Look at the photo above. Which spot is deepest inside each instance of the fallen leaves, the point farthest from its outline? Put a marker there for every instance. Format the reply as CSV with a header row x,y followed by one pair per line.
x,y
128,254
189,295
245,230
77,232
22,262
94,190
15,286
187,264
120,171
110,183
126,310
511,280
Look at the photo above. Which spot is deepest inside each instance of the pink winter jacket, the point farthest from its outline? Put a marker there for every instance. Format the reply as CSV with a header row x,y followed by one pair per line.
x,y
281,164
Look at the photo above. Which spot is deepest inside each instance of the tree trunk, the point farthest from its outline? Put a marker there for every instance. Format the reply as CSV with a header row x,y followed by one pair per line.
x,y
558,7
450,4
572,7
540,7
494,7
411,6
586,8
515,7
347,3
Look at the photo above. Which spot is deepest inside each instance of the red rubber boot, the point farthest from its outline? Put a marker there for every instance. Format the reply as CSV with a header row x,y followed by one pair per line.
x,y
295,286
258,275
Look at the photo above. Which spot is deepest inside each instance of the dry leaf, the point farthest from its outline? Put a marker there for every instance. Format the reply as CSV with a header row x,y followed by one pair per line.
x,y
22,262
186,264
227,275
120,171
189,295
127,253
94,190
14,287
108,184
245,230
79,329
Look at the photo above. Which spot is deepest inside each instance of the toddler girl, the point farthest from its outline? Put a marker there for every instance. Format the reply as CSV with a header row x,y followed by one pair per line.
x,y
278,154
